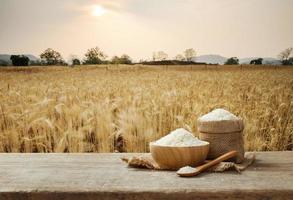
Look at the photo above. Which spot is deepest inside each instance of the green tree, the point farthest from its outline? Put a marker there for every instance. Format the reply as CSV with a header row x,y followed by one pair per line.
x,y
94,56
124,59
19,60
232,61
115,60
189,54
179,57
52,57
256,61
286,56
160,56
76,61
290,61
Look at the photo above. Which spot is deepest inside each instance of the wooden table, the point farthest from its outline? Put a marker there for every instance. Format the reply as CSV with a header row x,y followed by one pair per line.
x,y
104,176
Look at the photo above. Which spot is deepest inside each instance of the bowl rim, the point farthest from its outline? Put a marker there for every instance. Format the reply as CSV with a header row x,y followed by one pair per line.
x,y
168,146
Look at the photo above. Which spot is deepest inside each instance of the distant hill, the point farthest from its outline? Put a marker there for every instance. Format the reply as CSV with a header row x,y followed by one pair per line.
x,y
214,59
5,58
211,59
266,60
171,62
32,57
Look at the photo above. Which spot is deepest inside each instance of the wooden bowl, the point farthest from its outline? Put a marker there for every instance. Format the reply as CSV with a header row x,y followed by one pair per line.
x,y
173,158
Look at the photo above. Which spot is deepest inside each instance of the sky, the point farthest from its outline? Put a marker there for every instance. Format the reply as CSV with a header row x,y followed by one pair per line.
x,y
258,28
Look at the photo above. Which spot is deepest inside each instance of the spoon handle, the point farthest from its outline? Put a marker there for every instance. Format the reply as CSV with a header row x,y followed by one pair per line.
x,y
221,158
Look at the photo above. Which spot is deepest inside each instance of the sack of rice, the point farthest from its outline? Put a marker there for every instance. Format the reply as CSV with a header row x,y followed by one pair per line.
x,y
224,131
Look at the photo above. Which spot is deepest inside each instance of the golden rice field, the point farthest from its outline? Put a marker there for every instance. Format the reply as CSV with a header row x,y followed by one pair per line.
x,y
120,108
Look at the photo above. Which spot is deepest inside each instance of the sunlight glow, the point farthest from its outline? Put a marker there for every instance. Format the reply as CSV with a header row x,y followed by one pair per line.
x,y
98,11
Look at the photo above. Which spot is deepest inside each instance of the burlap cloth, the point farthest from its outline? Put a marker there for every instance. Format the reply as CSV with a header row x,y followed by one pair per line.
x,y
146,161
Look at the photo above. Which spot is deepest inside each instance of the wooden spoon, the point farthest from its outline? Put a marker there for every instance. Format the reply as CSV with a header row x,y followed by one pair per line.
x,y
191,171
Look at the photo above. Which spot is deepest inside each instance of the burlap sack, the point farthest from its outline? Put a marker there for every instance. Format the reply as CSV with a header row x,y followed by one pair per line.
x,y
224,126
223,136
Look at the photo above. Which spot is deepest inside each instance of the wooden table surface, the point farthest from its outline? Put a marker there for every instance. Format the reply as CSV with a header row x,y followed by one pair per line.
x,y
105,176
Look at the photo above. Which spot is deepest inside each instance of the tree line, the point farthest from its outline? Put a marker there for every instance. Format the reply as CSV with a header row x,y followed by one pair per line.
x,y
188,55
286,57
95,56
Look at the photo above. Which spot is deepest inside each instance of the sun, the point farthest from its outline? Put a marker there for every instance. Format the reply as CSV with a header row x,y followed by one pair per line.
x,y
98,11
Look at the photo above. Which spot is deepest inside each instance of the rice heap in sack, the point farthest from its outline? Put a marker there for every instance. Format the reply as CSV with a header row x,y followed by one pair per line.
x,y
224,131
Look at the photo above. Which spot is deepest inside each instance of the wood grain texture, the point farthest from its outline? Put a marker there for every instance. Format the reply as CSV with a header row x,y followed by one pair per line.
x,y
104,176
